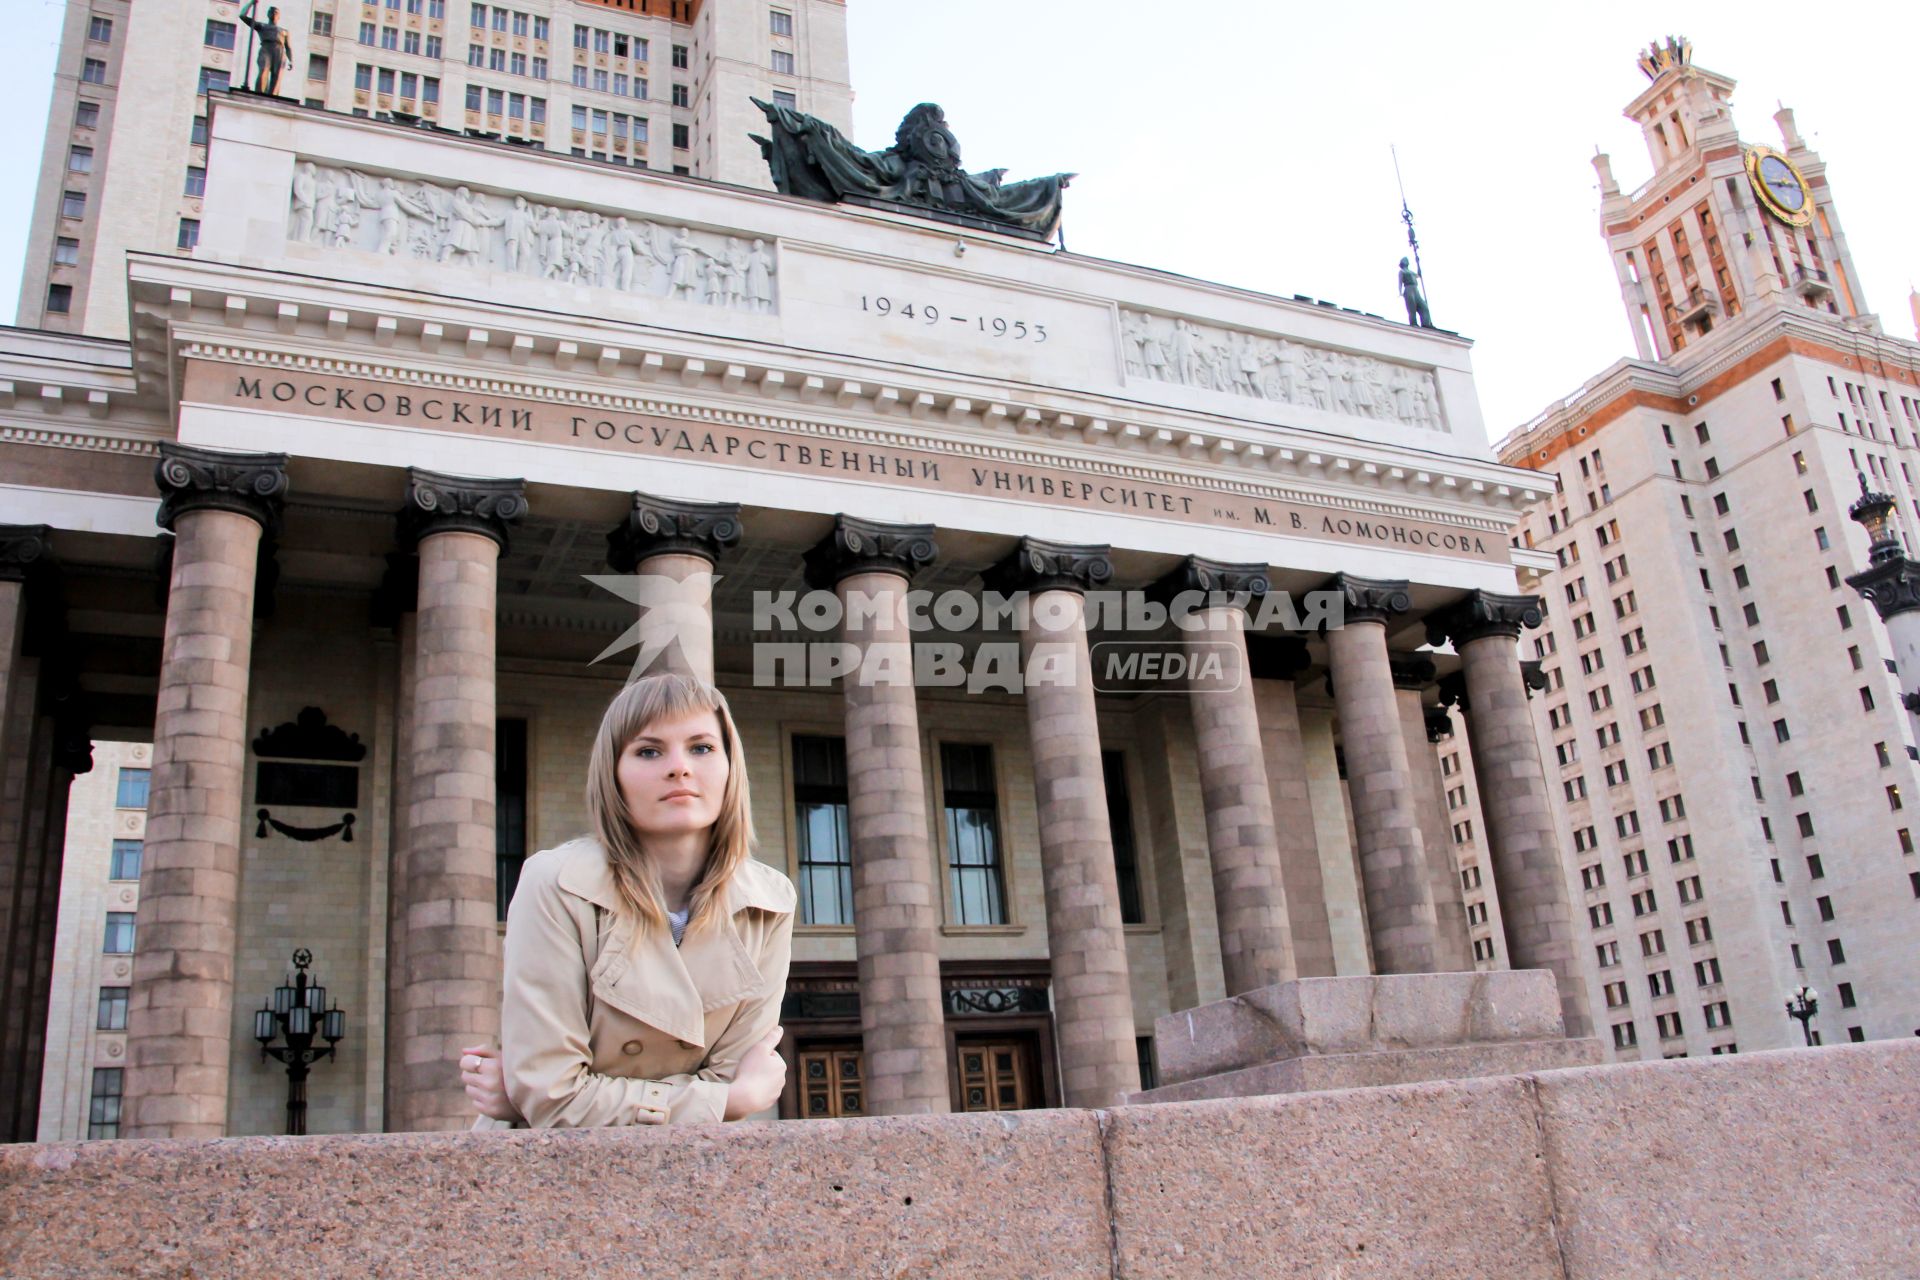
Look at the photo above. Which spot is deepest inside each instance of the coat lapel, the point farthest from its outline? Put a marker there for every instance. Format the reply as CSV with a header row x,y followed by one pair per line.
x,y
646,977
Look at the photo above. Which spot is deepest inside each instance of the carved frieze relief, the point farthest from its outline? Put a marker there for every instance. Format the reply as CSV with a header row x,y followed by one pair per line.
x,y
1176,349
349,211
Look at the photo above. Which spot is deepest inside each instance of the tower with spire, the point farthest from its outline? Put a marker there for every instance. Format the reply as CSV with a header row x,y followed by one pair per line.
x,y
1723,226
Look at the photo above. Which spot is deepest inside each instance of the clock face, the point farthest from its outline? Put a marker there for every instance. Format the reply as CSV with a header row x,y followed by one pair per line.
x,y
1783,183
1779,186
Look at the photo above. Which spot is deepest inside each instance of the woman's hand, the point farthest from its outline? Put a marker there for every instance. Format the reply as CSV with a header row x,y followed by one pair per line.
x,y
759,1080
486,1083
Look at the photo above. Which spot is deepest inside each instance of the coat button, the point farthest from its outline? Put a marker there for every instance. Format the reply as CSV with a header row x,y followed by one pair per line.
x,y
630,1048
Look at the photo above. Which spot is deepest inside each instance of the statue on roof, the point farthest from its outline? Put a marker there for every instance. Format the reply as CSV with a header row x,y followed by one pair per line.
x,y
276,48
921,170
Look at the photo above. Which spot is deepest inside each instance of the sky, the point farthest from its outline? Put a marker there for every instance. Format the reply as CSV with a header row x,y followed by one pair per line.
x,y
1247,142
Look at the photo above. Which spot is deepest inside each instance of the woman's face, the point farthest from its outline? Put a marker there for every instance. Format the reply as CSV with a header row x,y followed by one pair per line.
x,y
673,775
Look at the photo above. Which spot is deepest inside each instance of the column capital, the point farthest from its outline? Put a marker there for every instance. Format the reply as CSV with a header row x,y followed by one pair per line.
x,y
1371,599
1411,670
1197,573
441,503
869,546
1036,565
1439,724
1276,657
1483,614
194,479
24,549
1893,585
657,526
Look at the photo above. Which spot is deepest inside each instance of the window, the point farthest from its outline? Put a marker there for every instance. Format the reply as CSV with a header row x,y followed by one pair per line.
x,y
1699,930
66,251
316,70
1624,1036
1845,617
1644,904
436,49
363,77
680,56
212,79
1616,993
94,71
322,23
780,22
820,823
113,1009
540,28
1805,821
219,34
580,38
1126,861
1815,869
680,96
1592,877
1690,890
782,62
1653,943
119,939
1608,954
385,80
1824,905
196,181
86,115
410,42
79,159
1600,915
1706,972
1780,731
682,137
126,860
1836,953
101,29
579,77
131,792
1718,1015
103,1107
1660,982
1669,1024
477,57
1820,539
60,299
973,834
1635,862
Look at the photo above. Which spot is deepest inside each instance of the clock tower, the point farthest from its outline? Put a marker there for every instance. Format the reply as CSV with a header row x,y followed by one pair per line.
x,y
1723,226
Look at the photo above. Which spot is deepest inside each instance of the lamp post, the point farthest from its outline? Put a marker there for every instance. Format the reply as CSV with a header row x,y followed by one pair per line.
x,y
1802,1008
298,1011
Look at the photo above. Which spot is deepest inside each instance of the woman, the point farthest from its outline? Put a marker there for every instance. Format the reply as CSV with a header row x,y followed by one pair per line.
x,y
645,963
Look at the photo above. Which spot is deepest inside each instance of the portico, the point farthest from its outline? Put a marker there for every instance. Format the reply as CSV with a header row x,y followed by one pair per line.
x,y
417,465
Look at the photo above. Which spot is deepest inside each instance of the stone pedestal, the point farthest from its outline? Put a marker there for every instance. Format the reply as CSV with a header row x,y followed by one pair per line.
x,y
1358,1032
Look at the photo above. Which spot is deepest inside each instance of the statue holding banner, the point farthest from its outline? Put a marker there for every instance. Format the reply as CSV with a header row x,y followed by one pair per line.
x,y
919,173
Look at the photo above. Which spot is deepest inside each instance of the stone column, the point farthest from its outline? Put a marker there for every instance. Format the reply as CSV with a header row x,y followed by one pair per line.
x,y
1092,1002
1380,781
23,550
665,541
458,528
394,606
896,903
1453,948
1249,892
180,1011
1273,661
1522,842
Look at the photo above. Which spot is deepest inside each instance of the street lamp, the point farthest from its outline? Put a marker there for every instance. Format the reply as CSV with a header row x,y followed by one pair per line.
x,y
298,1011
1802,1007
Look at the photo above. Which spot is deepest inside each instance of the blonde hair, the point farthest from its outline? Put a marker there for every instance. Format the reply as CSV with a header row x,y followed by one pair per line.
x,y
642,704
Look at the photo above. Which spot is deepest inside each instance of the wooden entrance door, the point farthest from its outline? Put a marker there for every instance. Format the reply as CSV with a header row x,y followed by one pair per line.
x,y
833,1081
996,1075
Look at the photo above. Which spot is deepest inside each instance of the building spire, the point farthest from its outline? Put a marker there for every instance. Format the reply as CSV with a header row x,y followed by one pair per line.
x,y
1659,59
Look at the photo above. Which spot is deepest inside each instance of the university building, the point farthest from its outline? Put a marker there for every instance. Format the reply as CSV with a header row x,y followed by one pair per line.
x,y
1731,766
660,84
341,526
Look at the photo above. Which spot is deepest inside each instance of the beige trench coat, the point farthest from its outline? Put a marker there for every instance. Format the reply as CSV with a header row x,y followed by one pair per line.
x,y
601,1025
